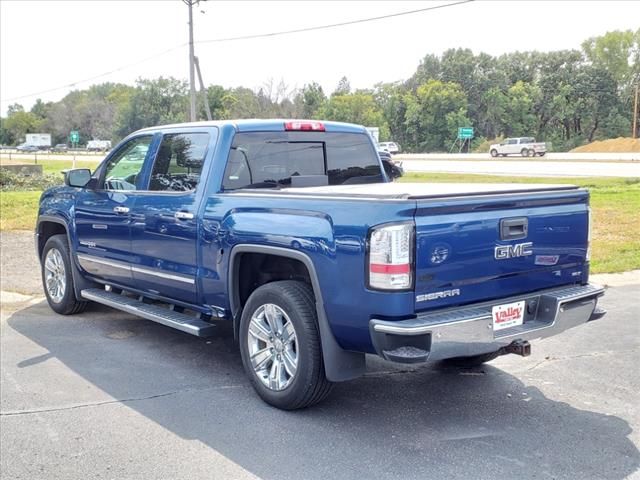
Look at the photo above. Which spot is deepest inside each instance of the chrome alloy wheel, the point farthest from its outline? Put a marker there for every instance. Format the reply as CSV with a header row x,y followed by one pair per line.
x,y
55,275
273,347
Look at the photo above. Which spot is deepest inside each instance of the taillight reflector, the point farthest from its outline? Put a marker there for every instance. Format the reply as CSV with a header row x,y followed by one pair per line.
x,y
389,269
304,126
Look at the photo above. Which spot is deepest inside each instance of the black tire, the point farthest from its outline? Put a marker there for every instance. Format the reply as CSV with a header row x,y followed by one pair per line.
x,y
524,152
309,385
473,361
494,153
532,153
67,304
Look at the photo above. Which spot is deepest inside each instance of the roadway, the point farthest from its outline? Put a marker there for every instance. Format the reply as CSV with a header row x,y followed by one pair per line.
x,y
552,164
575,165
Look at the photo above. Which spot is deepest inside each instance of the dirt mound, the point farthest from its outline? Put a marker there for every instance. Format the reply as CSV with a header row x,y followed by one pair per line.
x,y
613,145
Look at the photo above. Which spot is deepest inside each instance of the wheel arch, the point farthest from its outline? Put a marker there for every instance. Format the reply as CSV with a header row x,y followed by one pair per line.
x,y
340,364
48,226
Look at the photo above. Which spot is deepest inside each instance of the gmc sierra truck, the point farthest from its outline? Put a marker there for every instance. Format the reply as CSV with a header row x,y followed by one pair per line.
x,y
294,233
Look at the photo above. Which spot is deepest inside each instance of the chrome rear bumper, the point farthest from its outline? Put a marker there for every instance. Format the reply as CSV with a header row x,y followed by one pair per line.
x,y
467,331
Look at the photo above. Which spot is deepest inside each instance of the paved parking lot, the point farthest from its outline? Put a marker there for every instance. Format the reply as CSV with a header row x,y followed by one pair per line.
x,y
106,395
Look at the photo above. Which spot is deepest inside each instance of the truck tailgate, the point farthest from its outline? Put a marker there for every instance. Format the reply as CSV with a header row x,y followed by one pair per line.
x,y
483,247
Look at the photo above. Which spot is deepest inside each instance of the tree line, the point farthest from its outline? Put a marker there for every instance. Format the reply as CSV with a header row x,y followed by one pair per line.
x,y
567,97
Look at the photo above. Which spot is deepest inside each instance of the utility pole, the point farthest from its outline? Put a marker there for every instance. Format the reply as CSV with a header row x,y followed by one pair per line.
x,y
192,83
635,113
203,90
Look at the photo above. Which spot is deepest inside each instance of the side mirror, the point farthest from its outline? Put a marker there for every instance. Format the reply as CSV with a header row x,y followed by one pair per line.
x,y
78,177
393,171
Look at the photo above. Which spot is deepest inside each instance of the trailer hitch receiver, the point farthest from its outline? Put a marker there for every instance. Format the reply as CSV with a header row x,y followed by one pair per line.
x,y
519,347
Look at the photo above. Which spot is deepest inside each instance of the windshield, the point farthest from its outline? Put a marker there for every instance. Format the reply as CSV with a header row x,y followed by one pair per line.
x,y
271,159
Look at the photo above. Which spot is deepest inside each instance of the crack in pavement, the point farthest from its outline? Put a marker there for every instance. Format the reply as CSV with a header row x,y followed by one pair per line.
x,y
110,402
585,355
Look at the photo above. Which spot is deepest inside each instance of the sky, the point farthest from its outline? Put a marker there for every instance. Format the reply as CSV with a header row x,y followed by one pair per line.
x,y
49,44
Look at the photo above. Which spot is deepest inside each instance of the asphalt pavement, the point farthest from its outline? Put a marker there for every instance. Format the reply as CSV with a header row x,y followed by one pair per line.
x,y
106,395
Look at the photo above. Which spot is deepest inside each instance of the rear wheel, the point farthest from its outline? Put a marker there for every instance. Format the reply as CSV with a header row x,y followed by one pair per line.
x,y
57,279
280,345
472,361
531,153
494,152
524,152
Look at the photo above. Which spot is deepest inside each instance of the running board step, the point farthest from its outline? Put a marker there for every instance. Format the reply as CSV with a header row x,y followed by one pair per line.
x,y
179,321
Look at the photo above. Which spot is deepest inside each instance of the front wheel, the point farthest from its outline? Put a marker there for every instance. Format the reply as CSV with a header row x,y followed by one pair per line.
x,y
57,279
280,345
494,153
524,152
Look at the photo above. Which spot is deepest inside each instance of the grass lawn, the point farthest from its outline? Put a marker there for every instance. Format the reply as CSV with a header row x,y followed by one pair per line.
x,y
615,203
55,166
18,210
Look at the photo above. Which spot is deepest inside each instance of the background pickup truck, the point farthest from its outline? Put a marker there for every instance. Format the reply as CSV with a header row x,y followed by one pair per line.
x,y
523,146
293,232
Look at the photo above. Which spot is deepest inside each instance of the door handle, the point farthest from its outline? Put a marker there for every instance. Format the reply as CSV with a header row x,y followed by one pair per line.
x,y
183,215
121,209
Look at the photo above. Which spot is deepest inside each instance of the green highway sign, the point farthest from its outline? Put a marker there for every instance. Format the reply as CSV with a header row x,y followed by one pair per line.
x,y
465,133
74,136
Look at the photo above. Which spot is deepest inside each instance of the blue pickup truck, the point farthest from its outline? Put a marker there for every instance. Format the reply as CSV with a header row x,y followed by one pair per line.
x,y
294,232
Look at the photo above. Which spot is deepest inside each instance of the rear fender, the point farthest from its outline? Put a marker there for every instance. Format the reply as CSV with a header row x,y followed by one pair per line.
x,y
339,364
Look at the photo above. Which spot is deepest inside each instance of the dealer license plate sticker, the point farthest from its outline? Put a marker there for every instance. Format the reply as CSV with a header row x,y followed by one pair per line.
x,y
507,315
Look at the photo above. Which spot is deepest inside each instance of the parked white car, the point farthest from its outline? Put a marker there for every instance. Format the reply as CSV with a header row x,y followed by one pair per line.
x,y
390,147
524,146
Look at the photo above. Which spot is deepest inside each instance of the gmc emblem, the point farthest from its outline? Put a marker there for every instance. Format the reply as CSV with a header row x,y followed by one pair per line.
x,y
503,252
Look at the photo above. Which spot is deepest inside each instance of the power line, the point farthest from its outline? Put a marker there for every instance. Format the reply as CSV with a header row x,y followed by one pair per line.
x,y
333,25
95,77
243,37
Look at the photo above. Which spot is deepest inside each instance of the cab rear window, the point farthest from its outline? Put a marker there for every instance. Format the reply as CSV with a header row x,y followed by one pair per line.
x,y
271,159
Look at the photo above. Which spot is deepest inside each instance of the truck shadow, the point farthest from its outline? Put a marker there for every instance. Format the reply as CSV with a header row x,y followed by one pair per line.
x,y
425,422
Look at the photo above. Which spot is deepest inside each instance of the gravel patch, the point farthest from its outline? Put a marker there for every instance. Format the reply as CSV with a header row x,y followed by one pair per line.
x,y
20,268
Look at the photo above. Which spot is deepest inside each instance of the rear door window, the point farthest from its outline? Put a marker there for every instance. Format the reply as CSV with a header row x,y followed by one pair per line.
x,y
179,162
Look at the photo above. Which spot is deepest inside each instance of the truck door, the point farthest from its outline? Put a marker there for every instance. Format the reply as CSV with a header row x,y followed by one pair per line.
x,y
164,228
512,146
103,214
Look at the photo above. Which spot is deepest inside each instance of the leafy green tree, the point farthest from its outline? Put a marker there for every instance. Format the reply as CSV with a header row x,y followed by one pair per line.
x,y
154,102
390,98
357,108
19,123
311,99
215,96
13,108
343,88
520,117
241,102
434,114
612,52
41,109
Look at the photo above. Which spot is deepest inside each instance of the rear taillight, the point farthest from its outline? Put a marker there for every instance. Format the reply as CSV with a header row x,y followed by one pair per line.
x,y
304,126
391,257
